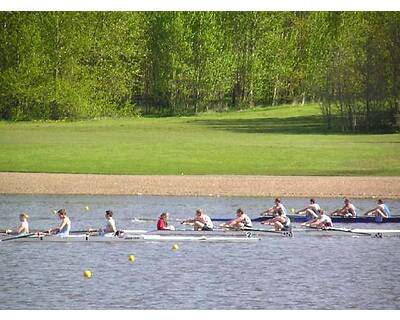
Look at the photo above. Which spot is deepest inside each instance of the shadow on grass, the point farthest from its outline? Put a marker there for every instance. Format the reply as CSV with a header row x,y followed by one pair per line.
x,y
292,125
314,124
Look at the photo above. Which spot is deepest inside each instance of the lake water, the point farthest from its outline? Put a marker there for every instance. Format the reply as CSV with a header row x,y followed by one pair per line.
x,y
303,272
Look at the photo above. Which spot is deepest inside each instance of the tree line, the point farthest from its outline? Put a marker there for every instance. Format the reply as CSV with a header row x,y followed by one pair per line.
x,y
56,65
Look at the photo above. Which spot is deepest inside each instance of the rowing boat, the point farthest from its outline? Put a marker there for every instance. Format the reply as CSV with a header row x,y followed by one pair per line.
x,y
135,238
218,235
261,233
302,218
248,233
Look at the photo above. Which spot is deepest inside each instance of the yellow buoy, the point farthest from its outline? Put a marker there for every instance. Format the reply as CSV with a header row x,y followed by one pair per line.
x,y
175,247
292,210
87,208
87,274
55,211
131,258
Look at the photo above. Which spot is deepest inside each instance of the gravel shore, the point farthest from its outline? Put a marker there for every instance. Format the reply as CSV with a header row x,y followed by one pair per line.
x,y
202,185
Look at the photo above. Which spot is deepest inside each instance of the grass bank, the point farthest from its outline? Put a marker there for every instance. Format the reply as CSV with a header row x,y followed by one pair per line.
x,y
285,140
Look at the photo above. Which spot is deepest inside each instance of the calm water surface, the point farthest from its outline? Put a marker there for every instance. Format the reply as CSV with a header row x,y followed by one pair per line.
x,y
303,272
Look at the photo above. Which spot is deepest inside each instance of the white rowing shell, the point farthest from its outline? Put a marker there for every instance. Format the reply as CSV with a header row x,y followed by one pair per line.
x,y
135,238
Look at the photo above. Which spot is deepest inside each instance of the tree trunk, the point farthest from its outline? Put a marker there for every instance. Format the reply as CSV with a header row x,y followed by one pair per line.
x,y
274,98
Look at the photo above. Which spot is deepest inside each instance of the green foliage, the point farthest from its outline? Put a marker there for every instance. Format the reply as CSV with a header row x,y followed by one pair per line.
x,y
355,73
56,65
67,65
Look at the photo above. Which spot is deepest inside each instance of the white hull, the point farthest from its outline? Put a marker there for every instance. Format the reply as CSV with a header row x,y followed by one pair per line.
x,y
222,232
210,236
261,233
135,238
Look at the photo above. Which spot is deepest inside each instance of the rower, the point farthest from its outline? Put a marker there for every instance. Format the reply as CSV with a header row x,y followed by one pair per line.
x,y
348,210
110,225
242,221
162,223
311,210
321,222
277,210
281,222
201,221
65,226
23,227
380,212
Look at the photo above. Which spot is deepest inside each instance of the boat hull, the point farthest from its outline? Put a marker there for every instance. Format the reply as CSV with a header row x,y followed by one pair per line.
x,y
251,233
301,218
374,233
137,238
208,236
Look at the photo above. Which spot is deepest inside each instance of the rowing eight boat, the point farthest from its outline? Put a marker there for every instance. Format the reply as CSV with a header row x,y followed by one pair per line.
x,y
208,236
248,233
302,218
135,238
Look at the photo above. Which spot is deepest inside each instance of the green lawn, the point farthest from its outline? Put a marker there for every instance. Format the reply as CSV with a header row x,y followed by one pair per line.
x,y
275,141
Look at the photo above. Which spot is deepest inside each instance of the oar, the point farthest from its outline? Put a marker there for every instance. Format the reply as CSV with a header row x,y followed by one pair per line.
x,y
19,237
261,230
334,213
299,213
252,229
226,227
84,231
345,230
72,231
350,231
142,219
187,223
46,231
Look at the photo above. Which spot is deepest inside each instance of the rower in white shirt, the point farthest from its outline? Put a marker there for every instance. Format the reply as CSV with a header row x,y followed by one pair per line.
x,y
311,211
110,225
277,210
65,226
280,221
242,221
23,227
348,210
380,212
322,221
201,222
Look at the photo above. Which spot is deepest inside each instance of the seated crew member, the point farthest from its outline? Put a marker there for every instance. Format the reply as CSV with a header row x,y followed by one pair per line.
x,y
65,226
110,225
281,222
380,212
348,210
23,227
242,221
162,223
201,221
311,210
322,221
277,209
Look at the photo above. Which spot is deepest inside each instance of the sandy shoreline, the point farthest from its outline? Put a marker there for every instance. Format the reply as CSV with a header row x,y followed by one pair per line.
x,y
225,185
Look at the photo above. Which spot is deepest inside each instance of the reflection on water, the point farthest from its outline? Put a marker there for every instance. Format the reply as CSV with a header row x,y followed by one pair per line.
x,y
276,273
